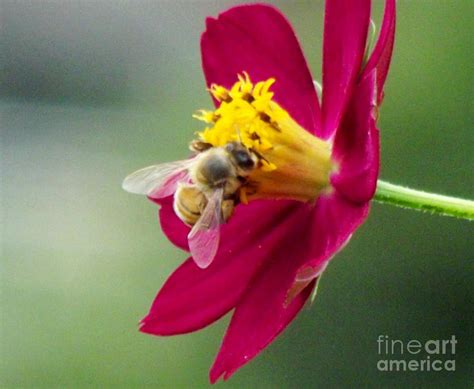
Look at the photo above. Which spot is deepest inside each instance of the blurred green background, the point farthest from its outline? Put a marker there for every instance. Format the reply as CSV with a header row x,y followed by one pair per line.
x,y
92,90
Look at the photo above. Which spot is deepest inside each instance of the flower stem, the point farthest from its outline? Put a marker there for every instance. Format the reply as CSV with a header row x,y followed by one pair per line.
x,y
422,201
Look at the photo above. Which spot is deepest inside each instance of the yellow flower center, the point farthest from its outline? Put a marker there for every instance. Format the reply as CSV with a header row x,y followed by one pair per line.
x,y
292,163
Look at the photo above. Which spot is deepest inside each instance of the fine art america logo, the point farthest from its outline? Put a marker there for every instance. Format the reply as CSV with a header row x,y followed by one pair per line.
x,y
414,355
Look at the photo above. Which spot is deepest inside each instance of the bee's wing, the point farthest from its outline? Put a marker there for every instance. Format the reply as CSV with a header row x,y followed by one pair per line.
x,y
204,237
157,181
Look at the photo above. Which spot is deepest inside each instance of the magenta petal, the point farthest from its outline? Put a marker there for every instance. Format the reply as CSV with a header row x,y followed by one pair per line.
x,y
193,298
345,33
382,54
339,218
356,146
277,324
174,229
259,40
263,313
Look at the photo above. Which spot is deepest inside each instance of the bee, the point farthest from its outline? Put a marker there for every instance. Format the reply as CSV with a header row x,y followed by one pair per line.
x,y
205,187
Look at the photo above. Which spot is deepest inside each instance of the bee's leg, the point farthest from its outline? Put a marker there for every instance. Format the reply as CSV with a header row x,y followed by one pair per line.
x,y
227,209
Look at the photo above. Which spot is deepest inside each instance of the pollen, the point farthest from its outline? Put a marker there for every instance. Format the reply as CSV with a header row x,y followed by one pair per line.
x,y
292,163
246,114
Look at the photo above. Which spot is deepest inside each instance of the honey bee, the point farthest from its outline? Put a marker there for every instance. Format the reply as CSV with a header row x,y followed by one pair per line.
x,y
205,187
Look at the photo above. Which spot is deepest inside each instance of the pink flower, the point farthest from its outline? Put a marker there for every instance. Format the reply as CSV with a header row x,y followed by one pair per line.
x,y
272,251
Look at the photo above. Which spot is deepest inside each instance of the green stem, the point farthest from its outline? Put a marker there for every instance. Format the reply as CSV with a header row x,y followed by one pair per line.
x,y
422,201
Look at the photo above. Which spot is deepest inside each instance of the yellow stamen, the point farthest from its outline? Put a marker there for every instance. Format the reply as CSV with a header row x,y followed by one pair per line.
x,y
292,162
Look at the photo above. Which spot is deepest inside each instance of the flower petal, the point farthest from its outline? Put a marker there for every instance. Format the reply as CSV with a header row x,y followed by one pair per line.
x,y
340,218
259,40
174,229
305,275
345,32
263,312
234,351
382,54
193,298
356,146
